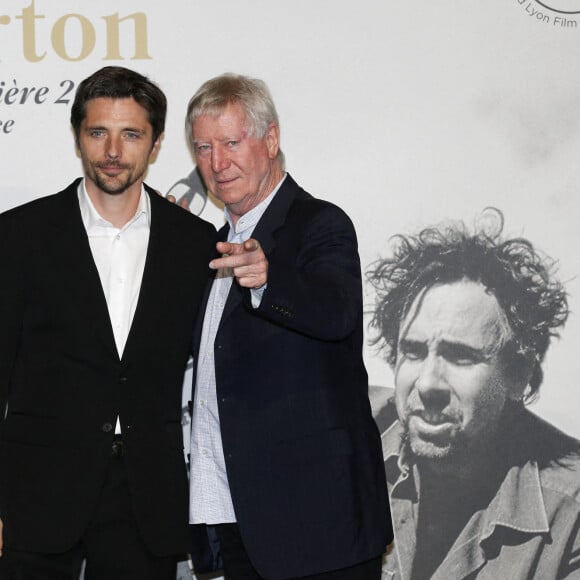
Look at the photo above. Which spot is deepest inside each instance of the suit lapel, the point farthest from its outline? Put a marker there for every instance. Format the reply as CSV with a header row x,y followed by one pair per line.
x,y
155,275
162,272
275,215
273,218
235,295
78,273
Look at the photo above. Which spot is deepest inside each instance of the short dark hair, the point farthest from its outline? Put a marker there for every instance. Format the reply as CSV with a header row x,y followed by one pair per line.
x,y
534,302
116,82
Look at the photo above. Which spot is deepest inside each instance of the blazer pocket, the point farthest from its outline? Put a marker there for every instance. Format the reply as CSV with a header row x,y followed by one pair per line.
x,y
40,430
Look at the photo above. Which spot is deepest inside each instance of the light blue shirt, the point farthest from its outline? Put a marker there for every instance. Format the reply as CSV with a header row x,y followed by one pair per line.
x,y
210,497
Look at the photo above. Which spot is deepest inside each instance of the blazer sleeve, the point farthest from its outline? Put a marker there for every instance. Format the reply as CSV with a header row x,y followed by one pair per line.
x,y
11,305
11,315
314,278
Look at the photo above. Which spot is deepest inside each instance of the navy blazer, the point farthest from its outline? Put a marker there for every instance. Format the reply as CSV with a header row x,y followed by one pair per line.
x,y
302,451
64,383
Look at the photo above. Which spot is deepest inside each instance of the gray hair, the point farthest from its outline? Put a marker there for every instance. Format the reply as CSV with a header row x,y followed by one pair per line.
x,y
252,94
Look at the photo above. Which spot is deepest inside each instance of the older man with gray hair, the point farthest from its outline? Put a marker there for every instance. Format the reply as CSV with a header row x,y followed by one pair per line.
x,y
286,466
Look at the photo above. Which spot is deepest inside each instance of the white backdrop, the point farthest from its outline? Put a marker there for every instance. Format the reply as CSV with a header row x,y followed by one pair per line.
x,y
403,113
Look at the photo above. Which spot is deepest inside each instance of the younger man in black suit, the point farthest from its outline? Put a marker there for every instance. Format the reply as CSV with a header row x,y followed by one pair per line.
x,y
101,284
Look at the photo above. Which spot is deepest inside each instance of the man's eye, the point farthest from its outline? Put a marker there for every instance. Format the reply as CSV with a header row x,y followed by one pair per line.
x,y
201,148
463,357
96,133
232,143
412,355
413,351
132,135
461,361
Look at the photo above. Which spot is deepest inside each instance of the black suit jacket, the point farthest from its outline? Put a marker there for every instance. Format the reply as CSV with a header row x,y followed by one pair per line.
x,y
302,451
65,384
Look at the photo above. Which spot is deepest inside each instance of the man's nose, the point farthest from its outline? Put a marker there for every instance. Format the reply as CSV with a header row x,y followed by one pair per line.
x,y
219,160
431,383
113,147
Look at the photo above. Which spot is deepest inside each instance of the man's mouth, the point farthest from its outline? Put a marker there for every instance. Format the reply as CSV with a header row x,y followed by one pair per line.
x,y
432,423
111,170
434,418
225,180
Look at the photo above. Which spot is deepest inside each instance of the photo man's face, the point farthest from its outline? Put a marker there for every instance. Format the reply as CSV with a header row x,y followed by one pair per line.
x,y
450,382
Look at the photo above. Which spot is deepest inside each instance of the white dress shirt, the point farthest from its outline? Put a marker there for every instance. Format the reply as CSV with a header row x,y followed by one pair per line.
x,y
210,497
119,254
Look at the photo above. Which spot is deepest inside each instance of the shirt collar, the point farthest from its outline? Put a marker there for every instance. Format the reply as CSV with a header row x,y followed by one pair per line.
x,y
92,219
519,503
395,461
251,218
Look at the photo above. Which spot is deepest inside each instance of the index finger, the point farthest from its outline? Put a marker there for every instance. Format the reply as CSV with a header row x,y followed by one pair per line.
x,y
230,261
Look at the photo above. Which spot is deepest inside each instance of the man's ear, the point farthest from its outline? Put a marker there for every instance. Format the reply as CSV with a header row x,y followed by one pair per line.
x,y
272,139
155,149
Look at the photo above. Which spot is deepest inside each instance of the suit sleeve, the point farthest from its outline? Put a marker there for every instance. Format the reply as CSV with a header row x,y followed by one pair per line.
x,y
314,278
11,307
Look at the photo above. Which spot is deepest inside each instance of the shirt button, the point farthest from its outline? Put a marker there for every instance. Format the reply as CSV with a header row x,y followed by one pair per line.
x,y
107,427
204,452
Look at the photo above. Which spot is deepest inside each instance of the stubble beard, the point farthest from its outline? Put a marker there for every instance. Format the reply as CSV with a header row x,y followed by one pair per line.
x,y
113,185
438,450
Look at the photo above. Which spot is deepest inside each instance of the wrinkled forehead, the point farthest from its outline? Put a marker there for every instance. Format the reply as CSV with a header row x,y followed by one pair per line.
x,y
461,312
231,107
229,125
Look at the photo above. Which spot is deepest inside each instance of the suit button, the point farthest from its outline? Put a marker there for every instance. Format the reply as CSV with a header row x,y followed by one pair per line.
x,y
107,427
123,379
